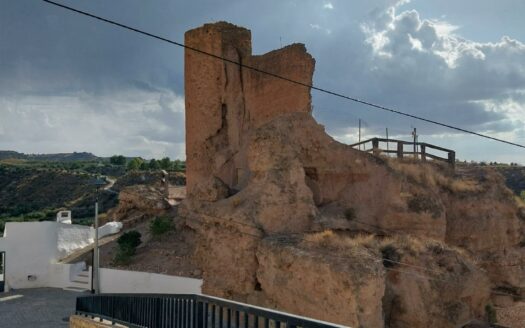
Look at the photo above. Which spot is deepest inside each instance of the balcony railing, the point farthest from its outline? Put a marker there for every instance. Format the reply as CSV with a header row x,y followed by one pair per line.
x,y
187,311
419,150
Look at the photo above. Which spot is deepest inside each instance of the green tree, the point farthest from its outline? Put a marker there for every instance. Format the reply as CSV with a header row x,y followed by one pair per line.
x,y
144,166
135,163
165,163
179,166
117,160
154,164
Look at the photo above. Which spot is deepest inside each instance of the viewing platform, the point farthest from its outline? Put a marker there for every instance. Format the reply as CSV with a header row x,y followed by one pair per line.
x,y
401,149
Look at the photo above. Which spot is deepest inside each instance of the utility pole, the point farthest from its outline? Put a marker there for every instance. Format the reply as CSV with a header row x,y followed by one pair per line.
x,y
96,256
96,264
359,134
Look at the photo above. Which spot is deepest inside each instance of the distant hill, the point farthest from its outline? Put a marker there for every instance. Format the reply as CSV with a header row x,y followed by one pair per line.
x,y
60,157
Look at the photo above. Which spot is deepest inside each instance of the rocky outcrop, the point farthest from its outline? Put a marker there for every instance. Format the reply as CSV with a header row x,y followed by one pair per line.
x,y
265,180
300,277
137,203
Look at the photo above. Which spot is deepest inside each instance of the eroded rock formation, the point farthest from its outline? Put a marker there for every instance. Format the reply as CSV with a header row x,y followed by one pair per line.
x,y
265,184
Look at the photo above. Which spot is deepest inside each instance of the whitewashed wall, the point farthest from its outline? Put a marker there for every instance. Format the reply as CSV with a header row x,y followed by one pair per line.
x,y
32,249
71,237
61,275
120,281
29,248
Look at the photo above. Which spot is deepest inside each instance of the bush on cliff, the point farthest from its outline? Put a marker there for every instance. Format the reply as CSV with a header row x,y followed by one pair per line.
x,y
128,244
160,225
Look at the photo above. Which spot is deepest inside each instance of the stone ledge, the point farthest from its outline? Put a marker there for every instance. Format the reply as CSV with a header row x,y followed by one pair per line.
x,y
77,321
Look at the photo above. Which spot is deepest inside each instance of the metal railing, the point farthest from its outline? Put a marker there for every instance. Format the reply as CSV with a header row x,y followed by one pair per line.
x,y
419,149
186,311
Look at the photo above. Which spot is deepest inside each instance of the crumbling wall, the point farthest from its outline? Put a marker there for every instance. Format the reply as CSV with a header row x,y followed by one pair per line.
x,y
224,102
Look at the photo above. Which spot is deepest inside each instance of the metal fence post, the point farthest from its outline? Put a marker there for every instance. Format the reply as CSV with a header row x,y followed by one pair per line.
x,y
197,315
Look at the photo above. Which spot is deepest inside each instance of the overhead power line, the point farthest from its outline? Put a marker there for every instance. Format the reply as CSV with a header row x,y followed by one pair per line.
x,y
333,93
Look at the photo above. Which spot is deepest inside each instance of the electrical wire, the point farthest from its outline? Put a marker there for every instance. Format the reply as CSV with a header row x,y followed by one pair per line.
x,y
310,86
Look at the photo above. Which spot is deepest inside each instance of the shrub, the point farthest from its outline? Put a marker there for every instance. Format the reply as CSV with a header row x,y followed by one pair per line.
x,y
236,202
350,213
422,203
490,311
127,243
160,225
130,239
390,256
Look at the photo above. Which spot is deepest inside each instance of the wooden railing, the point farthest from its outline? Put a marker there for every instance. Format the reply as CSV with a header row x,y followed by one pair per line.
x,y
418,150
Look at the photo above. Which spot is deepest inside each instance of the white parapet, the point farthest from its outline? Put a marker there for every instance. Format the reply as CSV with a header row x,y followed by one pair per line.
x,y
122,281
64,217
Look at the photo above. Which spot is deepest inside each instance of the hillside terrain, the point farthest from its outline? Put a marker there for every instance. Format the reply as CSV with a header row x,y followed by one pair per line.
x,y
27,194
36,187
61,157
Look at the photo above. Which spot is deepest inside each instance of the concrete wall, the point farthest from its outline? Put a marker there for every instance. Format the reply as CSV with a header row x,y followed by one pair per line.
x,y
119,281
29,247
72,237
76,321
33,248
61,275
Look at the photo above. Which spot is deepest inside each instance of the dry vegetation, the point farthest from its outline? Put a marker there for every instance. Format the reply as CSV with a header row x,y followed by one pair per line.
x,y
437,175
405,244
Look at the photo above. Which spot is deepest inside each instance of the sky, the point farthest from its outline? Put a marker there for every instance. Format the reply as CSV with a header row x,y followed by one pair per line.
x,y
70,83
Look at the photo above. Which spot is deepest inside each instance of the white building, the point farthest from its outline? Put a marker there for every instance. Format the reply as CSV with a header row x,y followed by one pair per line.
x,y
33,251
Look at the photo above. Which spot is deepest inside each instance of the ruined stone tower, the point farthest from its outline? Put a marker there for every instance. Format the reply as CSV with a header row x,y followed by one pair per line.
x,y
284,214
225,101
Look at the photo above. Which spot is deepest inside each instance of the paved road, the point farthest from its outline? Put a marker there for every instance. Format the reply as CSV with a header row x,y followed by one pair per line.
x,y
39,307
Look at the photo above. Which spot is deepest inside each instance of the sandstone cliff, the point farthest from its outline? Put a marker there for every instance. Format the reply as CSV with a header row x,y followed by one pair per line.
x,y
287,217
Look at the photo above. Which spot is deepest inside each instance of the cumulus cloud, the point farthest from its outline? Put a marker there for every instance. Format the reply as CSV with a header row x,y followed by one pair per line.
x,y
328,5
62,73
456,80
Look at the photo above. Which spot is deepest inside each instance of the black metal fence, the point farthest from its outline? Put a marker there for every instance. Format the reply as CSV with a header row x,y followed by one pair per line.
x,y
186,311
